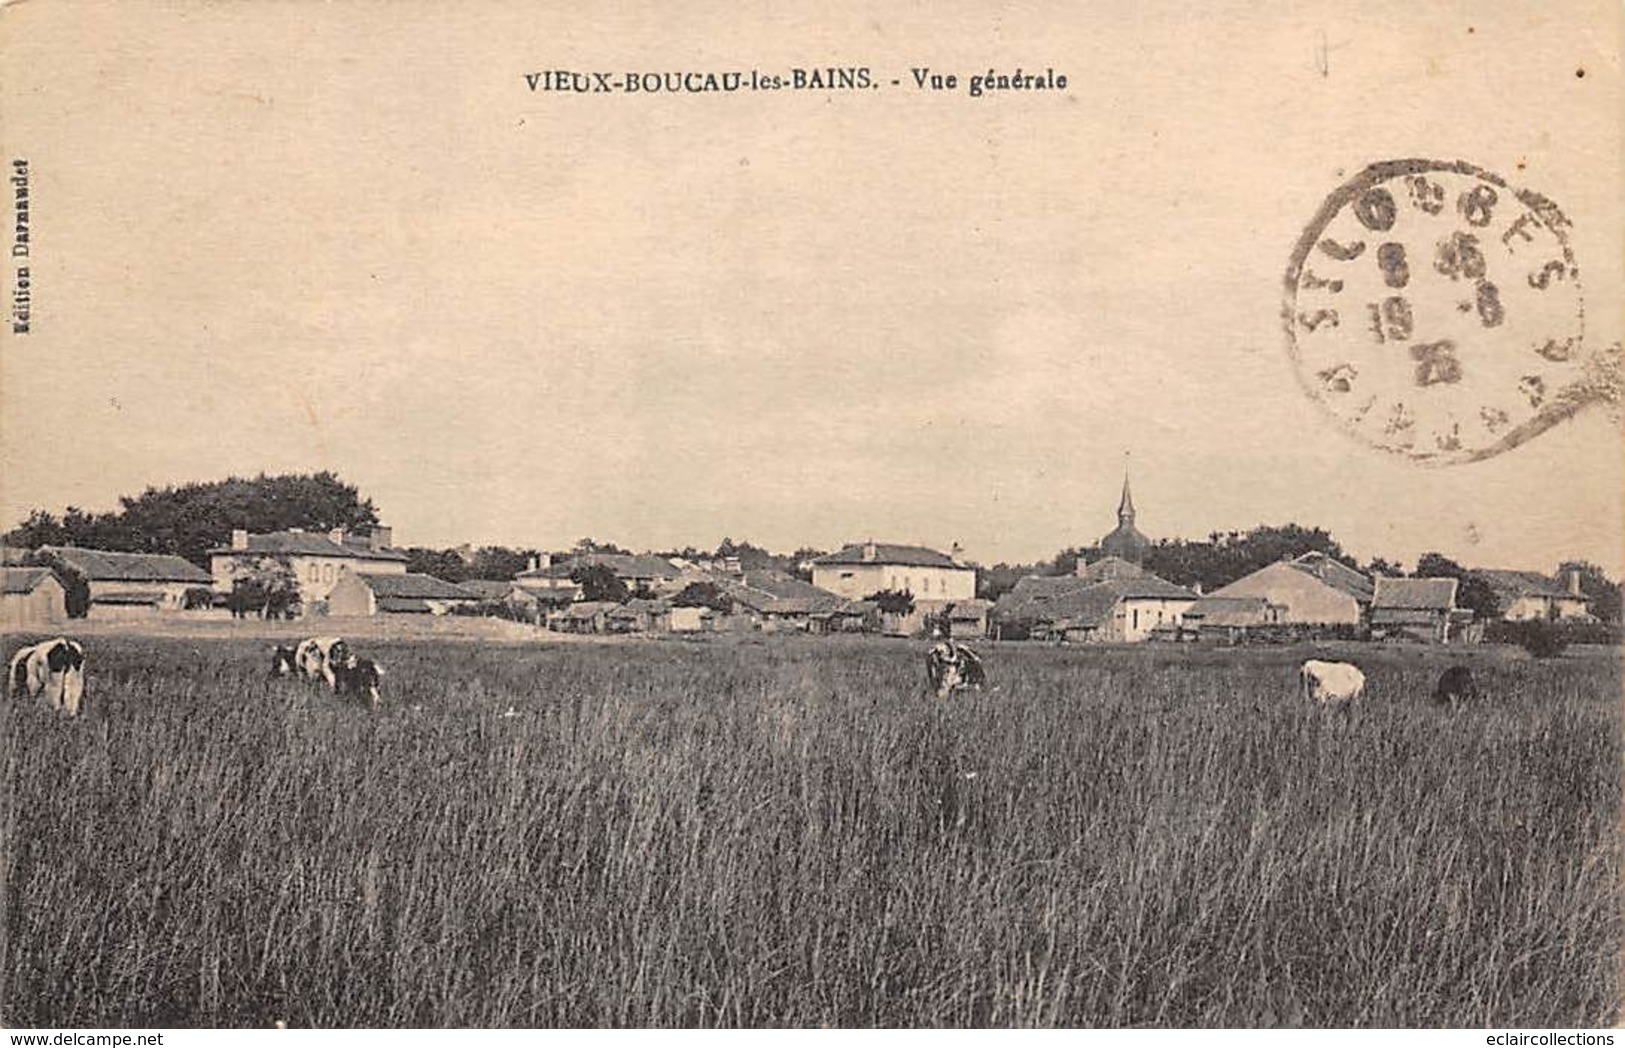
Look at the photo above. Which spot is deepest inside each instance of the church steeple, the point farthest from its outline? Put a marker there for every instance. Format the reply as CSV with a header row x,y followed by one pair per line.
x,y
1125,508
1125,541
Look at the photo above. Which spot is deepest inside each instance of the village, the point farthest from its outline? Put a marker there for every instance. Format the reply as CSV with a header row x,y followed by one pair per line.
x,y
870,587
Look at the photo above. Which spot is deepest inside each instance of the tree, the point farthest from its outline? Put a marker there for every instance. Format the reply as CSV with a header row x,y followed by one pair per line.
x,y
587,545
498,562
703,595
441,563
266,587
893,602
1385,567
599,582
1604,592
75,587
189,519
1472,591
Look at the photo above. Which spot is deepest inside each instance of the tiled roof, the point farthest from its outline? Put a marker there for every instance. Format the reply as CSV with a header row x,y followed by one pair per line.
x,y
555,594
107,566
588,609
1079,601
1335,574
1414,594
889,553
130,597
1110,568
1514,584
403,604
624,565
22,580
1227,611
775,593
489,589
412,586
309,544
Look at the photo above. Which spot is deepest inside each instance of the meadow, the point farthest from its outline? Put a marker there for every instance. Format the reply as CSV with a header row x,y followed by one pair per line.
x,y
787,832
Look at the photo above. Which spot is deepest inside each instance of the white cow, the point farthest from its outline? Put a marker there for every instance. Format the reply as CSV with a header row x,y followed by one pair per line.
x,y
316,656
1331,683
54,670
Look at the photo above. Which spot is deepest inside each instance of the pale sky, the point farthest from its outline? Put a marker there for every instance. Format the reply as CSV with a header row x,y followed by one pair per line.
x,y
347,236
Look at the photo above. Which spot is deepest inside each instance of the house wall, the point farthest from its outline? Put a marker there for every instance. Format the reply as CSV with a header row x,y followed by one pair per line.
x,y
46,605
1529,607
1307,599
1568,608
351,596
1134,619
686,620
124,612
856,581
1411,623
174,592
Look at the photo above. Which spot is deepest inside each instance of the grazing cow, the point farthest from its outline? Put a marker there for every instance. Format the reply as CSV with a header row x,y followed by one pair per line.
x,y
1331,683
316,657
54,670
1457,687
357,676
284,661
951,667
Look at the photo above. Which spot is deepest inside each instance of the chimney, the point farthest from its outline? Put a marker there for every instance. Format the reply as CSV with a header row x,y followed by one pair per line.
x,y
1574,583
239,538
870,553
1081,569
336,536
534,563
544,560
1196,588
380,537
956,552
732,566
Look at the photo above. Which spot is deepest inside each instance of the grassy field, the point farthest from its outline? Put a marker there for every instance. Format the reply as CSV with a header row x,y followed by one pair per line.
x,y
789,833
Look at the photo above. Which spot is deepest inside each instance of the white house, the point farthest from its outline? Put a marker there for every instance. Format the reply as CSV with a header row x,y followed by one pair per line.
x,y
1525,595
316,559
866,568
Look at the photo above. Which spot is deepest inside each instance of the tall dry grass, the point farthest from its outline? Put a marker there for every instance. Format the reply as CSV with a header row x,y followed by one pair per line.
x,y
791,834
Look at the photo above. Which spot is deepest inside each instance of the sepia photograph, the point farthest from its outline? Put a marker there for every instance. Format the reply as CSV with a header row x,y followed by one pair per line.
x,y
621,516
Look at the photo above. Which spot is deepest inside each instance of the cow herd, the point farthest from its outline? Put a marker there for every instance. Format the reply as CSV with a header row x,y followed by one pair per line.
x,y
54,672
329,660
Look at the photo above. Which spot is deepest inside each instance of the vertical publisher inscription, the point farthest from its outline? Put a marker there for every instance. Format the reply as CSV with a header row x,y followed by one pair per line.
x,y
20,277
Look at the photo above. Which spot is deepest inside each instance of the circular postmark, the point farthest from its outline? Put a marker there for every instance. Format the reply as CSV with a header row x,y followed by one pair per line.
x,y
1435,311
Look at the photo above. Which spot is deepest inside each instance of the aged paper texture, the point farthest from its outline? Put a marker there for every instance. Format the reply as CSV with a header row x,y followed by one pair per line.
x,y
813,278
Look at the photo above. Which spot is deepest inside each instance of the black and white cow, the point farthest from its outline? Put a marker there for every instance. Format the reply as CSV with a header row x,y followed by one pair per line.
x,y
1456,688
951,667
358,676
53,670
316,656
284,661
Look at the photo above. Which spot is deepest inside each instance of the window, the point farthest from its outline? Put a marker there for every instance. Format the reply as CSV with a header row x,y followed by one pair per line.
x,y
315,572
327,573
